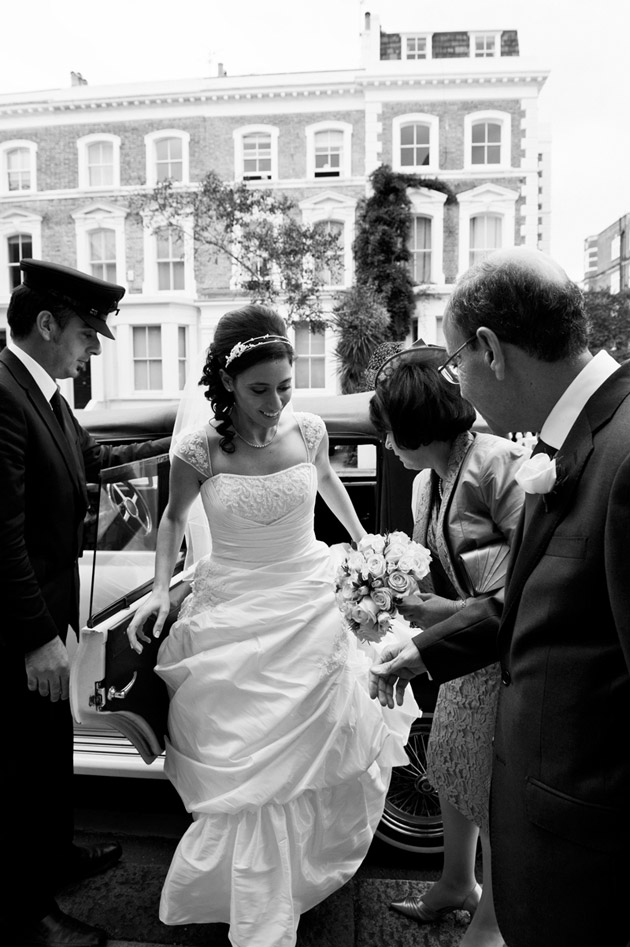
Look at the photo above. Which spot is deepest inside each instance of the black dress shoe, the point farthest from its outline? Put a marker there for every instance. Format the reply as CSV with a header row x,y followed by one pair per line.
x,y
59,930
92,860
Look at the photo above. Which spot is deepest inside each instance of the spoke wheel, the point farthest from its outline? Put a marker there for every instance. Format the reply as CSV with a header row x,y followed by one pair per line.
x,y
412,819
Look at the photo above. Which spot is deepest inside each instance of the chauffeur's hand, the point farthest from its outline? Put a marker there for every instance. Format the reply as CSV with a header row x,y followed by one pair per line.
x,y
48,670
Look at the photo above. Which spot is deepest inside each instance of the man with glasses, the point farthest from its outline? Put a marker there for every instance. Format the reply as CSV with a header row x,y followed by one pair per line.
x,y
56,319
560,814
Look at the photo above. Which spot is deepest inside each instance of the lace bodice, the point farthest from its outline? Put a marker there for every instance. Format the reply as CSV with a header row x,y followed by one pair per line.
x,y
193,446
258,518
264,499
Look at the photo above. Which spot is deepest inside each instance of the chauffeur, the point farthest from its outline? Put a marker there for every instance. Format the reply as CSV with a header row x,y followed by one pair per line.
x,y
55,317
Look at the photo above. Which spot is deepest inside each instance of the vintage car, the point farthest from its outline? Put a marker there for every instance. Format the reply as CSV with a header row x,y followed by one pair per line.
x,y
119,704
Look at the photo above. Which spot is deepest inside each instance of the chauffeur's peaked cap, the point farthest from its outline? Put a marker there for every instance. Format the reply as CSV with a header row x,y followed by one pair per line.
x,y
90,297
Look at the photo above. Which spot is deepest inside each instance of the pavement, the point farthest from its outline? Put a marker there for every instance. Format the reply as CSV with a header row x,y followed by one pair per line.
x,y
124,901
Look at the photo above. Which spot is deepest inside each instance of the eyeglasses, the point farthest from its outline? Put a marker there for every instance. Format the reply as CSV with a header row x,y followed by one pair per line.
x,y
450,369
417,353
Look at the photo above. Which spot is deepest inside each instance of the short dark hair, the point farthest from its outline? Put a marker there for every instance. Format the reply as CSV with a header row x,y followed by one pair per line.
x,y
418,406
543,316
26,304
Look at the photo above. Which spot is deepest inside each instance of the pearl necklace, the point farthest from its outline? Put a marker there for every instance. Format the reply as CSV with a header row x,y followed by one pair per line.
x,y
251,443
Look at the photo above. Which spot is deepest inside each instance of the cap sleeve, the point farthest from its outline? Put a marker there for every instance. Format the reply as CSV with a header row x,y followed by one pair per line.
x,y
192,447
313,429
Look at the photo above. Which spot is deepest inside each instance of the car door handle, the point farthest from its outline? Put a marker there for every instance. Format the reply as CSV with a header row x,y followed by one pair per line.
x,y
113,694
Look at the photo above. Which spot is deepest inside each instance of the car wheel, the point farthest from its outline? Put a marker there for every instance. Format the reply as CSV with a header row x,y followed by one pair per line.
x,y
412,819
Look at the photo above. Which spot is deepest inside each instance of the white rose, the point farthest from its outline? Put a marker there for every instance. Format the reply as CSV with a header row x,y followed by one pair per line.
x,y
374,566
365,612
538,474
373,542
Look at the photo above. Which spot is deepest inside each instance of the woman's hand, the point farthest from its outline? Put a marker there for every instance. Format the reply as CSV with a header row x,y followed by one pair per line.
x,y
424,609
158,604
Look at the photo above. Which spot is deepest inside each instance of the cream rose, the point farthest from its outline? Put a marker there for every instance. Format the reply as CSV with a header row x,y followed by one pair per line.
x,y
538,474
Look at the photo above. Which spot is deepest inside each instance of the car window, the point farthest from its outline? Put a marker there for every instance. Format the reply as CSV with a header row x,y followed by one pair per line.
x,y
122,536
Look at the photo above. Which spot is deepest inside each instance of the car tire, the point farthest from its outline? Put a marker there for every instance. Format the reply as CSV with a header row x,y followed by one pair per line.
x,y
412,819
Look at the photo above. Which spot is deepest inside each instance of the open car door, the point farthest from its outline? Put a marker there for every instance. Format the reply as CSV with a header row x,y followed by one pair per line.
x,y
111,686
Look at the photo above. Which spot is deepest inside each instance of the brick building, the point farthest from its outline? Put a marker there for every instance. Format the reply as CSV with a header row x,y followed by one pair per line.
x,y
461,106
607,257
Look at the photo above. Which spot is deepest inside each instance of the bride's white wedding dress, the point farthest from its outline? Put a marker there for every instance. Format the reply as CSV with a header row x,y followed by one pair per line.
x,y
274,744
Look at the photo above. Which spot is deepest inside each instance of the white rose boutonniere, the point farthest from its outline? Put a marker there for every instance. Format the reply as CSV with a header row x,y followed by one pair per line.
x,y
538,474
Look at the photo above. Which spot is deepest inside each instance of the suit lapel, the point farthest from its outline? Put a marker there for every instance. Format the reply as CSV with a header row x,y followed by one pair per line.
x,y
66,446
530,544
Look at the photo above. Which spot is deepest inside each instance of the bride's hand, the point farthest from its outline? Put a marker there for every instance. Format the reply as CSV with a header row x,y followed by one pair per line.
x,y
157,604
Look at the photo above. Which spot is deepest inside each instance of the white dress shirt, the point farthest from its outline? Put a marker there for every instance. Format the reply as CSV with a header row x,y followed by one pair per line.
x,y
47,385
564,413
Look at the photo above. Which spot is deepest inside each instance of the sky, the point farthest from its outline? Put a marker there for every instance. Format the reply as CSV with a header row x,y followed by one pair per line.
x,y
583,43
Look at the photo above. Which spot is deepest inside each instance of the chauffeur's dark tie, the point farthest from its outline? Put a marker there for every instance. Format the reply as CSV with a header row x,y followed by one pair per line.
x,y
55,404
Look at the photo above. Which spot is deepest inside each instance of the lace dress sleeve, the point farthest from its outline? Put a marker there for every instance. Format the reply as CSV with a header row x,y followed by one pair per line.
x,y
193,448
313,429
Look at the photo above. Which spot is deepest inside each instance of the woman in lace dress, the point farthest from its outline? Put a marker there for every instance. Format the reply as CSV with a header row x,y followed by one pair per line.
x,y
274,744
466,508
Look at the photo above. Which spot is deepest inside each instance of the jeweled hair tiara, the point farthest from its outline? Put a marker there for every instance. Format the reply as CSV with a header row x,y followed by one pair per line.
x,y
241,347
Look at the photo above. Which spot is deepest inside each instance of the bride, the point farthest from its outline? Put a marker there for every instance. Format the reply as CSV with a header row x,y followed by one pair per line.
x,y
274,744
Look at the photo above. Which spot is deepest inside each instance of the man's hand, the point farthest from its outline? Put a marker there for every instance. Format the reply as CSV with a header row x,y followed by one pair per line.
x,y
399,664
425,609
48,670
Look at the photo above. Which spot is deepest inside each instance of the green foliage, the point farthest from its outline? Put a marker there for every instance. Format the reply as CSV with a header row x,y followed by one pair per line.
x,y
609,322
278,258
362,323
381,247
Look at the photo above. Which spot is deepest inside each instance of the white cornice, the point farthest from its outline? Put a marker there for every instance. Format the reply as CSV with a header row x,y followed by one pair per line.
x,y
90,100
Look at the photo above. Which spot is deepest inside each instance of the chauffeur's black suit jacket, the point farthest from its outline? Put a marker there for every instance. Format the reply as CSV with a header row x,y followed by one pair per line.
x,y
43,501
560,804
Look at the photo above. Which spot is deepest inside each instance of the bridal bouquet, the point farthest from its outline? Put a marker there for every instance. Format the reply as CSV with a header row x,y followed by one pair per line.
x,y
374,577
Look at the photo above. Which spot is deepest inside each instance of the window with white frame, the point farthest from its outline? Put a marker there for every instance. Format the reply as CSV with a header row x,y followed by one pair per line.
x,y
615,246
20,237
182,356
415,142
416,46
333,275
147,358
487,221
18,166
338,213
485,145
328,153
310,358
486,235
615,281
485,45
167,153
487,139
19,247
100,164
256,152
102,253
99,161
100,239
420,249
169,246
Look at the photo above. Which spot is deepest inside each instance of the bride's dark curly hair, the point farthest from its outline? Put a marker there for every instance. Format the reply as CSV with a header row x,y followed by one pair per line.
x,y
236,326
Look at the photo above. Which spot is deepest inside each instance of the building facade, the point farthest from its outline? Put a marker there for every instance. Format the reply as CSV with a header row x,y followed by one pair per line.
x,y
607,257
459,106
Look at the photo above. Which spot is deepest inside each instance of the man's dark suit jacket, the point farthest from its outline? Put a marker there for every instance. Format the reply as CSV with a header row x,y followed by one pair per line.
x,y
560,803
43,501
